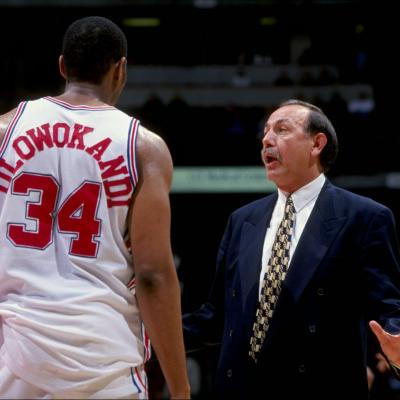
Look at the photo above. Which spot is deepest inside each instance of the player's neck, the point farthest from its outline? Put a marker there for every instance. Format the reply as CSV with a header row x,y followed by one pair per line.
x,y
79,93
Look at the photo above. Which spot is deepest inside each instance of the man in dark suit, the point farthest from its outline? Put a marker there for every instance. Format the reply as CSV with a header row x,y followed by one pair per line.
x,y
293,318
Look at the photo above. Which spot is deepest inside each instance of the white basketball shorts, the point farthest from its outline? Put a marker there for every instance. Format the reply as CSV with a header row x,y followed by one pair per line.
x,y
131,384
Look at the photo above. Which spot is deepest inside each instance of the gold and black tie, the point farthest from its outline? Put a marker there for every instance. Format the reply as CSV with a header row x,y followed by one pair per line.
x,y
273,278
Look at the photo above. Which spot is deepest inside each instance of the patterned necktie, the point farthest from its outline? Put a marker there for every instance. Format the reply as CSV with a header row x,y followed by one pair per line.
x,y
273,278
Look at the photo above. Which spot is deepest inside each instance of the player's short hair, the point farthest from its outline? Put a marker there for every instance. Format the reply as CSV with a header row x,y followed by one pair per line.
x,y
90,46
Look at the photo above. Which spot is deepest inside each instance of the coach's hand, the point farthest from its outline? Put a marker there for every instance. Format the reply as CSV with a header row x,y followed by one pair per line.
x,y
390,344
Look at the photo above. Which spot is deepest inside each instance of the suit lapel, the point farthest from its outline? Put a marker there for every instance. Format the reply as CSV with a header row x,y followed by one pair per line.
x,y
250,253
321,229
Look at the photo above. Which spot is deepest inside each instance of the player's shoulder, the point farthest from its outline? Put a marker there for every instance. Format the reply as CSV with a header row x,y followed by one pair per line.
x,y
152,151
149,138
5,120
150,143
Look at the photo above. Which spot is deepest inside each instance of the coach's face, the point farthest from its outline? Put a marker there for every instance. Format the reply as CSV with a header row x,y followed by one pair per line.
x,y
289,153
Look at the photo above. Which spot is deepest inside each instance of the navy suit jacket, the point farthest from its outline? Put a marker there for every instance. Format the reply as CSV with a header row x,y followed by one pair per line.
x,y
344,272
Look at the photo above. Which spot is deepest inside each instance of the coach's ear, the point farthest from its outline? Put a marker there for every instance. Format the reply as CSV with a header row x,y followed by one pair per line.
x,y
61,66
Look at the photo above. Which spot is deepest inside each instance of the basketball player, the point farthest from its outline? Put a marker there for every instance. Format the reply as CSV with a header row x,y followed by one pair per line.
x,y
86,268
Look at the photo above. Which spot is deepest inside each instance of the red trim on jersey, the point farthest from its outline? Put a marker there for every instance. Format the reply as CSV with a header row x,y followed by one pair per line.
x,y
146,343
132,283
132,151
78,107
144,386
11,126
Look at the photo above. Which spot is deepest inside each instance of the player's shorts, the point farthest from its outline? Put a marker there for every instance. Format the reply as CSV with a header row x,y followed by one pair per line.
x,y
131,384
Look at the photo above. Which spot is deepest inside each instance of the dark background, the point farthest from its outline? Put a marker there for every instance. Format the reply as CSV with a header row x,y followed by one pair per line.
x,y
359,39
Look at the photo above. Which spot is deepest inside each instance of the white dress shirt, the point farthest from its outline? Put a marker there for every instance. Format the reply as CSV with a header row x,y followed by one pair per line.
x,y
304,200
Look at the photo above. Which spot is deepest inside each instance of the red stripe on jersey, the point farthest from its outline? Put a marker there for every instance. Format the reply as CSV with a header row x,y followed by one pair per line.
x,y
144,386
132,151
146,343
78,107
132,283
11,126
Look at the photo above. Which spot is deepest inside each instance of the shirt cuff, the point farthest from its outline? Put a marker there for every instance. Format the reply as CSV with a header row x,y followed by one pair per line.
x,y
396,369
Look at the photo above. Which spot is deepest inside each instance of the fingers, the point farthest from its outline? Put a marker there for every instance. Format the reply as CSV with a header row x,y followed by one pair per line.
x,y
381,335
377,329
390,343
380,332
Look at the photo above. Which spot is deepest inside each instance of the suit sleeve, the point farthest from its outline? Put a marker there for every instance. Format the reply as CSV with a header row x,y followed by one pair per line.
x,y
205,325
382,261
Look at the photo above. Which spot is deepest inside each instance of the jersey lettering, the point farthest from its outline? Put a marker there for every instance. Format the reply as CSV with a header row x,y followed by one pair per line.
x,y
40,212
60,134
76,216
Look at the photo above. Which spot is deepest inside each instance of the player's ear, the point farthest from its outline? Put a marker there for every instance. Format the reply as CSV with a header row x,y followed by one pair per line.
x,y
61,66
120,70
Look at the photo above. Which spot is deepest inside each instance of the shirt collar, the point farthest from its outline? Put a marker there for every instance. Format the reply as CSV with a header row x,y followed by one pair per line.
x,y
305,194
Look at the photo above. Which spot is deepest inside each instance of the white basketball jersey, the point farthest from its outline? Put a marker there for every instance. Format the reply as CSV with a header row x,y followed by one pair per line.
x,y
67,174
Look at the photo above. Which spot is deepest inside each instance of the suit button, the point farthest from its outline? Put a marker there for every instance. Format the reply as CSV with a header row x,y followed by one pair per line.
x,y
233,292
302,368
320,291
229,373
312,328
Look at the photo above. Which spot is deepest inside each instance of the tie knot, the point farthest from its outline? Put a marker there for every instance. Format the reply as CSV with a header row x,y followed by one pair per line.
x,y
289,206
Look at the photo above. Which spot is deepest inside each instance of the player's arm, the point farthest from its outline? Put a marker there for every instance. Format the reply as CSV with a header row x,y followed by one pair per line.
x,y
5,120
157,285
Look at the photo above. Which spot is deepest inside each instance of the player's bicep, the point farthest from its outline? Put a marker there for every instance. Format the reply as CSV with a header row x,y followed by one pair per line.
x,y
150,216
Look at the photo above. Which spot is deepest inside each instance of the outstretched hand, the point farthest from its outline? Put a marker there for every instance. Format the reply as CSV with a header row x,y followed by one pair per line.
x,y
390,344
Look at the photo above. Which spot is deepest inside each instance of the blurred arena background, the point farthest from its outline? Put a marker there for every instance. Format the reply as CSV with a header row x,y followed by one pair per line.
x,y
204,74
